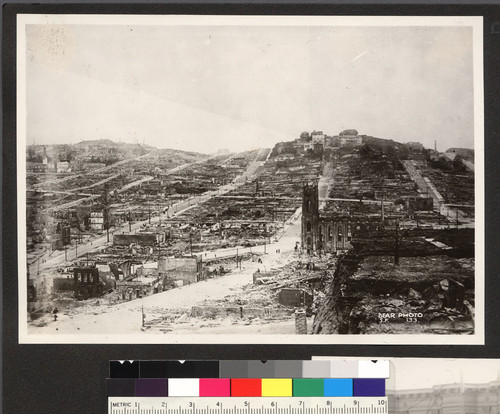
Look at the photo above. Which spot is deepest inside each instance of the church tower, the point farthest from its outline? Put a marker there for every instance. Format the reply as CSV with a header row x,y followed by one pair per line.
x,y
310,217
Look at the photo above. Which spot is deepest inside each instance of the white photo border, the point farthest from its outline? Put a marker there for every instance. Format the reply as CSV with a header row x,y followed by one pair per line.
x,y
475,22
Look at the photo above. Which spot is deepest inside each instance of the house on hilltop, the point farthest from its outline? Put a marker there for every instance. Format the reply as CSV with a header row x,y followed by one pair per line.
x,y
350,137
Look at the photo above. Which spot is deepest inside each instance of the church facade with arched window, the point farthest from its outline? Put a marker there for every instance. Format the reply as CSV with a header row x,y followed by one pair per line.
x,y
324,232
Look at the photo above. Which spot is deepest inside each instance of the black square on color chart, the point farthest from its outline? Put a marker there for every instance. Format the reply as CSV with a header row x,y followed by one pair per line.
x,y
153,369
120,387
124,369
164,369
193,369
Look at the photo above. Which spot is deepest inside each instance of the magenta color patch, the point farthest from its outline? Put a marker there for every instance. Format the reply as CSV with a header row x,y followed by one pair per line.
x,y
215,387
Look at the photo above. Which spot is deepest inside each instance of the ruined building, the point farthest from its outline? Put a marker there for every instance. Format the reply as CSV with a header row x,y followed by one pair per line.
x,y
321,232
331,230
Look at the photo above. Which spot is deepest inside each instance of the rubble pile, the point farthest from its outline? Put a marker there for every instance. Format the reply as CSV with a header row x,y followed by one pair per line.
x,y
95,167
417,242
282,176
209,175
256,211
370,172
276,289
455,187
378,250
425,292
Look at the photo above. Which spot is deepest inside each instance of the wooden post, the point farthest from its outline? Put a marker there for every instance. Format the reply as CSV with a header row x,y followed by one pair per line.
x,y
300,322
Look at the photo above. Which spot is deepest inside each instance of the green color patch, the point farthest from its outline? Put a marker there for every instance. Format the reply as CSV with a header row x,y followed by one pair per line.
x,y
308,387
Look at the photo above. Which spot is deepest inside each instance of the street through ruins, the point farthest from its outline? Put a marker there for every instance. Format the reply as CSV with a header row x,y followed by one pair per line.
x,y
325,234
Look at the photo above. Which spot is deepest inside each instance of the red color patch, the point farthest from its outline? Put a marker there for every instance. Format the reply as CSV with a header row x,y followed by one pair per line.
x,y
246,387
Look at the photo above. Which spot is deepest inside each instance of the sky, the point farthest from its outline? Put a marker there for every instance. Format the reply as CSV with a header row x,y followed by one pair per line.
x,y
204,88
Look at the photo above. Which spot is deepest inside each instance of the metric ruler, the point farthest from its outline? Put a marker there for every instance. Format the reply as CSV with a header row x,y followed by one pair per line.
x,y
247,405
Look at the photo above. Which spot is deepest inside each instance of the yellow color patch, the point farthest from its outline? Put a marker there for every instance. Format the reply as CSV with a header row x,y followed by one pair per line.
x,y
277,387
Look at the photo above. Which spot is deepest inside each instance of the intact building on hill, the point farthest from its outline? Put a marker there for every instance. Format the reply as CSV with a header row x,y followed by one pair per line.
x,y
350,137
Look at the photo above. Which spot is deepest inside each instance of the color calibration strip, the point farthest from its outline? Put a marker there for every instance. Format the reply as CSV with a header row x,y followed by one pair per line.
x,y
247,405
248,378
250,369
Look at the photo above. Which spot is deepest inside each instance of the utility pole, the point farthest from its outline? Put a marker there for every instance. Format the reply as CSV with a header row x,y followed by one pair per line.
x,y
106,211
382,209
191,243
129,222
396,245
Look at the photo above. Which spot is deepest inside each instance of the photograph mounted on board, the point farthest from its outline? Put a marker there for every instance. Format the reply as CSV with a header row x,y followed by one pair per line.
x,y
250,179
440,385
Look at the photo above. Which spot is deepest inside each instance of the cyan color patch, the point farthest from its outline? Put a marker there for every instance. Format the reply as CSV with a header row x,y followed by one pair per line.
x,y
338,387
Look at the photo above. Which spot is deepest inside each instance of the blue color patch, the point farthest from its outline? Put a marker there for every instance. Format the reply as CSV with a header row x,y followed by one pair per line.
x,y
338,387
368,387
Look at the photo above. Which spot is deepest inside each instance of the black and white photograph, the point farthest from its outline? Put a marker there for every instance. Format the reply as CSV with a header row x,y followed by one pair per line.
x,y
434,385
251,179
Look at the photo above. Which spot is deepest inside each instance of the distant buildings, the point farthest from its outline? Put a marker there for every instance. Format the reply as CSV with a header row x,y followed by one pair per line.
x,y
36,167
63,167
415,146
187,269
318,138
308,146
142,239
317,142
350,137
447,399
96,221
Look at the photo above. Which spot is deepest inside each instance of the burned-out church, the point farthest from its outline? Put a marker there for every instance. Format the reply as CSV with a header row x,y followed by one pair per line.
x,y
331,230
